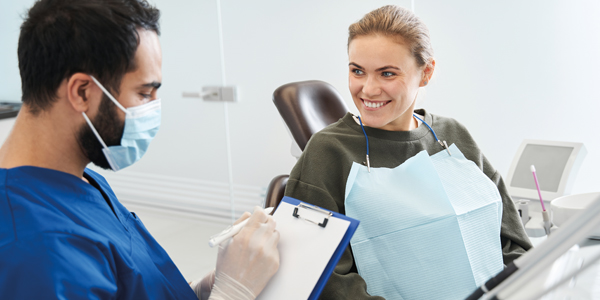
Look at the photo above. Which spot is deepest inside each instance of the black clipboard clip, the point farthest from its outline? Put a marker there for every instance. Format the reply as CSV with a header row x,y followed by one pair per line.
x,y
315,208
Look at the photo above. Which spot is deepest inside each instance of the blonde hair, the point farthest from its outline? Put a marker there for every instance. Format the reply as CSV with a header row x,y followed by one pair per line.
x,y
397,22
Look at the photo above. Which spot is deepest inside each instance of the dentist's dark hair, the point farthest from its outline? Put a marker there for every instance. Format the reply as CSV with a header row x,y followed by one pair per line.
x,y
62,37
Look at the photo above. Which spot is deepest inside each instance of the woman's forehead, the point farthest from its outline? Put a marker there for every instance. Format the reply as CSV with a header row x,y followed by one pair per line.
x,y
374,51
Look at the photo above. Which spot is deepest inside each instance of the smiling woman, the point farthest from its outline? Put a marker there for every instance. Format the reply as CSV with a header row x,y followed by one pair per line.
x,y
390,58
435,223
384,80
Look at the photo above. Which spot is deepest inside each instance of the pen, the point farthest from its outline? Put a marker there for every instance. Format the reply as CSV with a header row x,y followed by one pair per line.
x,y
232,230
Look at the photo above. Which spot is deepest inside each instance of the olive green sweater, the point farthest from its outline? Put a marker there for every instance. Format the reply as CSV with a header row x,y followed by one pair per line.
x,y
320,175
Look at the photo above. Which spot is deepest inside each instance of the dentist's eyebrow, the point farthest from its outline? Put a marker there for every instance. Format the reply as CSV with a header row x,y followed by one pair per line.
x,y
388,67
153,84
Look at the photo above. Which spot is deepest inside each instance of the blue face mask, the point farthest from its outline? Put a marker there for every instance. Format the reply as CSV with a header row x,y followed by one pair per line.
x,y
141,125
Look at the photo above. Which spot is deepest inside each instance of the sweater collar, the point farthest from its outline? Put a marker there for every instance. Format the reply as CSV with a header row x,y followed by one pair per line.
x,y
410,135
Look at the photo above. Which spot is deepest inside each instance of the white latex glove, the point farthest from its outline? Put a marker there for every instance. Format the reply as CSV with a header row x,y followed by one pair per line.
x,y
245,263
203,287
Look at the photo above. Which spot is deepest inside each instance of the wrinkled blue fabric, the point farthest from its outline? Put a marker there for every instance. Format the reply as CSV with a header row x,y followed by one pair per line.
x,y
430,228
59,239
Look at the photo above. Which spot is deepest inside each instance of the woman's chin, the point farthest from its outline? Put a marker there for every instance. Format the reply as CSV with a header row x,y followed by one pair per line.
x,y
372,122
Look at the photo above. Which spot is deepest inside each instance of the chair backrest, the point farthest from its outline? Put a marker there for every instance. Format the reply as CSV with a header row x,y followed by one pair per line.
x,y
275,191
308,106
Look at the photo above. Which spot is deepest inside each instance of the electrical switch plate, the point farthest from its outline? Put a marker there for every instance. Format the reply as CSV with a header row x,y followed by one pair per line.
x,y
214,93
219,93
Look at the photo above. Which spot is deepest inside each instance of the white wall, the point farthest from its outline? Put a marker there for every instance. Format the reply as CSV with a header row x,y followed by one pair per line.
x,y
10,20
512,70
508,70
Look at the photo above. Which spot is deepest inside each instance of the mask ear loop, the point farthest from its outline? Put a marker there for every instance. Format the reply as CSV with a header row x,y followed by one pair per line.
x,y
105,148
94,130
110,96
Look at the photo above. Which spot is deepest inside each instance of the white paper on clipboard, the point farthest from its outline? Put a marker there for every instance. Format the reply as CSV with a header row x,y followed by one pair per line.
x,y
304,251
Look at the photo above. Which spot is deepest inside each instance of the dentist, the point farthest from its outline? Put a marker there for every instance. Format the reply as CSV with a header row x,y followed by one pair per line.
x,y
90,73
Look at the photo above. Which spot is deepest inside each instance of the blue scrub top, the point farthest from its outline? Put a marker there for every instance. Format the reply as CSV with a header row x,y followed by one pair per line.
x,y
59,239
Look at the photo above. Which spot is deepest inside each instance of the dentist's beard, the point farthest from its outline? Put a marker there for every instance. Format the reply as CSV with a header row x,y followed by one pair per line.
x,y
110,129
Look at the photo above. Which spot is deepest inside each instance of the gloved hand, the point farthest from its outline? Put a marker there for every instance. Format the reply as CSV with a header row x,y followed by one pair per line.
x,y
246,262
203,287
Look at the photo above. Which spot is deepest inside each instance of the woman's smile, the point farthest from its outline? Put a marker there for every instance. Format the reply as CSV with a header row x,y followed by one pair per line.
x,y
374,105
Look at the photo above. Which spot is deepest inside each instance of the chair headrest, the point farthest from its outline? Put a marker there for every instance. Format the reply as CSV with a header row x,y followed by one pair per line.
x,y
308,106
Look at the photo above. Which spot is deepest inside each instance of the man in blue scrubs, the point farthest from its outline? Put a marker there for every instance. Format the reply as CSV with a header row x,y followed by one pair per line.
x,y
90,70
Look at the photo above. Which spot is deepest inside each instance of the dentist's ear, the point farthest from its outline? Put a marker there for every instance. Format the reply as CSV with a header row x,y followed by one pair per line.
x,y
427,72
82,93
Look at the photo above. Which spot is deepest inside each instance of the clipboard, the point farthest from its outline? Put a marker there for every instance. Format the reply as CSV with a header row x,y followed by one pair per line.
x,y
311,243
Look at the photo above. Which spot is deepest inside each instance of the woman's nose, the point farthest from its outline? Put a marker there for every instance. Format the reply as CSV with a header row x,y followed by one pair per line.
x,y
371,87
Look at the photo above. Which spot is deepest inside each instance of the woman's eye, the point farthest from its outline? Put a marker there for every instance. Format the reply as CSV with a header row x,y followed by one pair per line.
x,y
387,74
357,71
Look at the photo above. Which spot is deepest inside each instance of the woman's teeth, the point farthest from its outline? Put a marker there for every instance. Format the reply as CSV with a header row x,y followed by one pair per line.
x,y
374,104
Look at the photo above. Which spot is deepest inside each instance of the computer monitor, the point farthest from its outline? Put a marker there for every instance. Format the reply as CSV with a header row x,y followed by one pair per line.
x,y
556,164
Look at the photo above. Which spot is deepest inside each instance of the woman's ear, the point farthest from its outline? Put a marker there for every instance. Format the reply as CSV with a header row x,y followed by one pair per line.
x,y
81,90
427,73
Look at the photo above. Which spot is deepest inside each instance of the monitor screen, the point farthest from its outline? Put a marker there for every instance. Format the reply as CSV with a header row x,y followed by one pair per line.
x,y
549,162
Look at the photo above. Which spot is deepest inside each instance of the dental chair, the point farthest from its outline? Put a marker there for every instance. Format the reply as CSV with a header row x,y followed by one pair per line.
x,y
306,107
